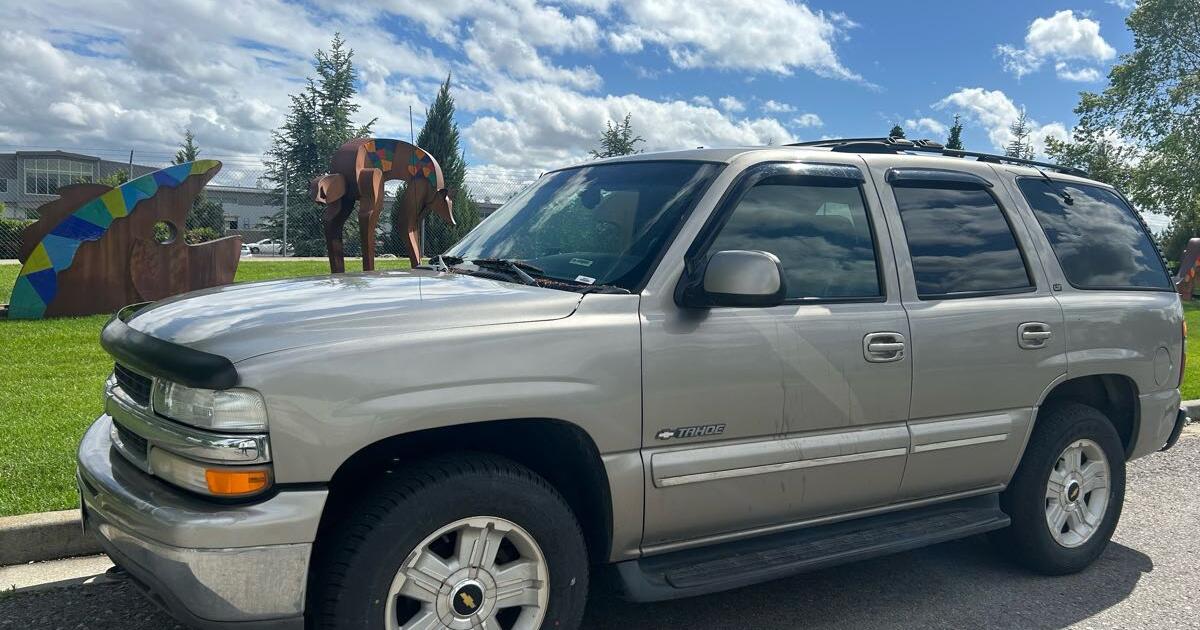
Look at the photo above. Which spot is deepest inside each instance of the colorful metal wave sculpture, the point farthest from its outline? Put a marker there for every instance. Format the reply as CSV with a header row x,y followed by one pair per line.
x,y
357,173
93,249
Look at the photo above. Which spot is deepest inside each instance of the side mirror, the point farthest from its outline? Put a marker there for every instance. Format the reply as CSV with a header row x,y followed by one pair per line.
x,y
737,278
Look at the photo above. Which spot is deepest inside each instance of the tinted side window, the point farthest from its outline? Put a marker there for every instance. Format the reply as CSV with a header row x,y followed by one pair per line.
x,y
821,234
1096,238
960,242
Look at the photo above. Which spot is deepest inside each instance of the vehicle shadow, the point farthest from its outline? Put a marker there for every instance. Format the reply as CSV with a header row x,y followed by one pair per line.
x,y
961,584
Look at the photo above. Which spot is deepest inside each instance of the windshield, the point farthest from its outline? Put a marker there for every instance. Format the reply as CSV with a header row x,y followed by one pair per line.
x,y
594,225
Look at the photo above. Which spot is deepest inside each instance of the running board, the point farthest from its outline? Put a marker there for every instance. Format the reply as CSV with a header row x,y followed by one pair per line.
x,y
744,562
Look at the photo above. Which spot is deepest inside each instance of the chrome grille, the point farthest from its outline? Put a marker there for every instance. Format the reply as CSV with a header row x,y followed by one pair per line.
x,y
136,386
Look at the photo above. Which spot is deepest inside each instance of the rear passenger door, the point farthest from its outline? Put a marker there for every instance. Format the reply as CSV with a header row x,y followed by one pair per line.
x,y
987,335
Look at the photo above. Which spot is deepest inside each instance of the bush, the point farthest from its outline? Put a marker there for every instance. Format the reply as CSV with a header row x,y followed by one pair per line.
x,y
195,236
10,236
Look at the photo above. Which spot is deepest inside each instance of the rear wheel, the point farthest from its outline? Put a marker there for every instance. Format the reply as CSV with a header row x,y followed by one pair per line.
x,y
465,541
1066,497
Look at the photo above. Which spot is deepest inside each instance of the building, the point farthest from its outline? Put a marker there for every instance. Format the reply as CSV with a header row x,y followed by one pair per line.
x,y
29,179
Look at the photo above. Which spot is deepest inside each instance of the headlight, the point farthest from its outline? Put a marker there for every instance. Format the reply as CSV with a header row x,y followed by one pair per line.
x,y
219,410
209,479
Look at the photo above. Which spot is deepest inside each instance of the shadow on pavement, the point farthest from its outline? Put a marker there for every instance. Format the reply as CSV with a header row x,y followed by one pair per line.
x,y
962,584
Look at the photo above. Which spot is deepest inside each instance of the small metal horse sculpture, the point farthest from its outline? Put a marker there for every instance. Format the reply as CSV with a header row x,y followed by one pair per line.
x,y
359,169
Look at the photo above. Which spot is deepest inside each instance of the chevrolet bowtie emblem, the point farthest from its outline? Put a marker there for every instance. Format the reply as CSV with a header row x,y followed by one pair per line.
x,y
467,600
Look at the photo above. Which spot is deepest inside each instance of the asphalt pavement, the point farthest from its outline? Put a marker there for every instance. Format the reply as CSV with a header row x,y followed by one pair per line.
x,y
1148,578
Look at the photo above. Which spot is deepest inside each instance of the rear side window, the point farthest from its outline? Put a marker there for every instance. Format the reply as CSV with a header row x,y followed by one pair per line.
x,y
1097,239
960,242
820,233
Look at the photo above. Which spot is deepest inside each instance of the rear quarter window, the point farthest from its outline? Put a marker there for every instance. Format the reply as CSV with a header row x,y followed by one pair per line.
x,y
1097,239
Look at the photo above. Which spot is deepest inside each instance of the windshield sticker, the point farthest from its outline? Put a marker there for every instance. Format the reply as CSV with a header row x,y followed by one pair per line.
x,y
582,262
585,279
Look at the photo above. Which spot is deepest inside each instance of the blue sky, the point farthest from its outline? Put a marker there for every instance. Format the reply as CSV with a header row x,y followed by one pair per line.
x,y
535,81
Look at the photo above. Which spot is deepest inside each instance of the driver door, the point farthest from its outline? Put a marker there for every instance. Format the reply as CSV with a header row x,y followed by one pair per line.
x,y
758,417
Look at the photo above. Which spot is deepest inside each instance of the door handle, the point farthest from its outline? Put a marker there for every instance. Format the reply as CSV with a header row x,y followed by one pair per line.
x,y
883,347
1033,335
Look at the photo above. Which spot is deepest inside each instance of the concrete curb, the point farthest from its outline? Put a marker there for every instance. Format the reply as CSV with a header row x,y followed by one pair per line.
x,y
54,535
44,536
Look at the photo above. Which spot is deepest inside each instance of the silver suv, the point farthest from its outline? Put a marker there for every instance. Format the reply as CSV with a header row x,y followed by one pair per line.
x,y
694,370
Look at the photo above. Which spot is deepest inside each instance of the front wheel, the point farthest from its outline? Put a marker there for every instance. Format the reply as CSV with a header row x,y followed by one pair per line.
x,y
466,541
1066,497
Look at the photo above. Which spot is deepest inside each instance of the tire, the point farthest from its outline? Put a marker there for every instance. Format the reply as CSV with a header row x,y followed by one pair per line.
x,y
1032,503
360,561
253,250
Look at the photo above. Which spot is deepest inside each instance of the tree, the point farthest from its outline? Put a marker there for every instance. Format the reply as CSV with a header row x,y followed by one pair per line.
x,y
206,213
896,132
954,141
439,136
188,151
318,121
1096,153
1153,101
617,139
1020,145
114,179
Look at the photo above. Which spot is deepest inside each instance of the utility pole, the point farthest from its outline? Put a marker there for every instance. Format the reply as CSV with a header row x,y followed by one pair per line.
x,y
283,249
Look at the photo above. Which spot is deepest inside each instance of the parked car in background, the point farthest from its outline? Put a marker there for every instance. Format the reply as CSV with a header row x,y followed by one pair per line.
x,y
696,370
270,247
246,251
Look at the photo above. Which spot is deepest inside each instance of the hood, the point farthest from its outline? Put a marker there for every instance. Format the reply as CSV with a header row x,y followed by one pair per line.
x,y
240,321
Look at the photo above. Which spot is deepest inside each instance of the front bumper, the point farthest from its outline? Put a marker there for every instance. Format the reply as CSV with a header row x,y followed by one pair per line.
x,y
211,565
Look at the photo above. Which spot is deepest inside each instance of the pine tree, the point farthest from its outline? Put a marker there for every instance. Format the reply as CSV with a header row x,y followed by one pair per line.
x,y
206,214
1020,145
954,141
439,136
618,139
188,151
318,121
896,132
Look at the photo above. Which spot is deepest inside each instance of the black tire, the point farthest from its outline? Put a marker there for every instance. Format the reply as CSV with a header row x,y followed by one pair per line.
x,y
358,559
253,250
1029,539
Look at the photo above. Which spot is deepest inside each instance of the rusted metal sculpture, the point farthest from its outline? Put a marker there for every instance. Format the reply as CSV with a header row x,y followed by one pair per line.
x,y
1185,280
93,250
358,171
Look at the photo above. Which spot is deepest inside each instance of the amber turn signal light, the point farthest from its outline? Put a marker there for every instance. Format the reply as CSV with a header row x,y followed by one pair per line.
x,y
234,483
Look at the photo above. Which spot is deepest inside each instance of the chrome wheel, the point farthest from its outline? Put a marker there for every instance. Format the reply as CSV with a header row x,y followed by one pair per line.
x,y
479,572
1077,493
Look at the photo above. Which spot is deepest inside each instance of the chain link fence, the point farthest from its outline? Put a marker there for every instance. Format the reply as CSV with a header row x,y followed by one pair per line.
x,y
240,200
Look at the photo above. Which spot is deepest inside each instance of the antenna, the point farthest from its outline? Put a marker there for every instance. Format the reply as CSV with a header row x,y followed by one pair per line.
x,y
411,140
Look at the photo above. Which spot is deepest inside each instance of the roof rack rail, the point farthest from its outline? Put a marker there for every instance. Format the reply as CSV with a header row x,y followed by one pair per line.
x,y
898,145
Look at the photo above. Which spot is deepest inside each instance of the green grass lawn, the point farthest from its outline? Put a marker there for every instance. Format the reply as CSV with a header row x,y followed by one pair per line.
x,y
51,376
52,372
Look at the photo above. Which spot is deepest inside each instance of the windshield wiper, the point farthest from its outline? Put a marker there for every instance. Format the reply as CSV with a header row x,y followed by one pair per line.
x,y
515,267
442,262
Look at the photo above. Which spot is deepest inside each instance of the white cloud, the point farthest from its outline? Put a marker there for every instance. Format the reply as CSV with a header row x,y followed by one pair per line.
x,y
1060,37
81,74
545,125
995,111
1124,4
775,107
916,127
1084,75
731,104
758,35
807,120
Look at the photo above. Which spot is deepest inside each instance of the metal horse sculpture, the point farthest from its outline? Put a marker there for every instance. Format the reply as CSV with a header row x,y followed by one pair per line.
x,y
359,169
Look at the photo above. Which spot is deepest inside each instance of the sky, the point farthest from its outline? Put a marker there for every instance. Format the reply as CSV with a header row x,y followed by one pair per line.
x,y
536,81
